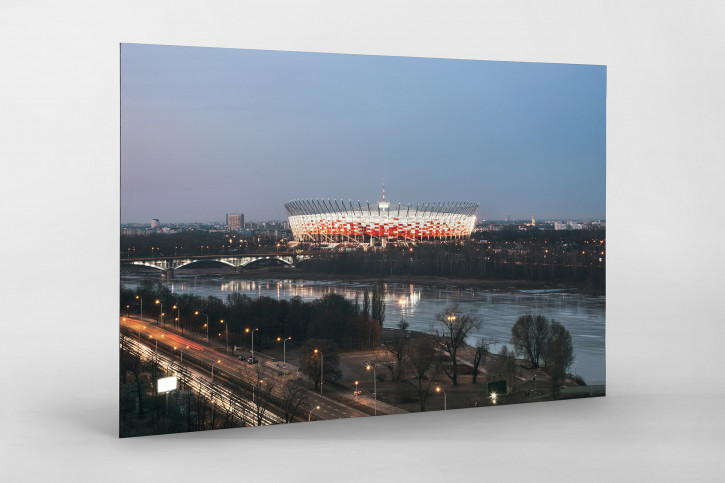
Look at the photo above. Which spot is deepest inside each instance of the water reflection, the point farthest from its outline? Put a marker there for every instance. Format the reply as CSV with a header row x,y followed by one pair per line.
x,y
582,315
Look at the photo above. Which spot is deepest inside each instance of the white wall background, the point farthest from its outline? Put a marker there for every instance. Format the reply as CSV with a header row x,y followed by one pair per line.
x,y
59,153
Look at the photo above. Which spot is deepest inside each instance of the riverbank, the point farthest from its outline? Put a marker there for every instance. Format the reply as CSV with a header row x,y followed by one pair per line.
x,y
287,273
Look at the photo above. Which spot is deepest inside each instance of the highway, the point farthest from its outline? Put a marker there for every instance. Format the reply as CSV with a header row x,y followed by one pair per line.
x,y
223,398
150,334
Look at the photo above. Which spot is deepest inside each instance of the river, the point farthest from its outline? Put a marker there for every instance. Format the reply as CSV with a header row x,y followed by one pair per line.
x,y
582,315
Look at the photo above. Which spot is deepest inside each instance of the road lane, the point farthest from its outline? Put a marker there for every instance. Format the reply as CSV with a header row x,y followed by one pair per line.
x,y
150,334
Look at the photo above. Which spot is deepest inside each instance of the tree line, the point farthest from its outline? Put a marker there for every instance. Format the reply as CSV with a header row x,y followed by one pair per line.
x,y
539,256
351,324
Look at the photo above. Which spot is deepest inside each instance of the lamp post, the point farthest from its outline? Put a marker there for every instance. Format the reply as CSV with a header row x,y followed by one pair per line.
x,y
157,344
309,418
534,384
254,399
178,314
226,336
252,332
205,325
181,351
322,368
128,308
438,389
284,349
141,301
375,387
212,370
161,313
356,391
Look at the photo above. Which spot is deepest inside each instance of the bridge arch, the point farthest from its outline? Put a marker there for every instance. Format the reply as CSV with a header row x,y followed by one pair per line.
x,y
232,261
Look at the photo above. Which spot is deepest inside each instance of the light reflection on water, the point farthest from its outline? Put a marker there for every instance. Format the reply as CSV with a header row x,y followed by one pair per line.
x,y
582,315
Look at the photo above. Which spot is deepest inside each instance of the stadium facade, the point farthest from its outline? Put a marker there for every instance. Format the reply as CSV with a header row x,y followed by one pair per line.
x,y
333,221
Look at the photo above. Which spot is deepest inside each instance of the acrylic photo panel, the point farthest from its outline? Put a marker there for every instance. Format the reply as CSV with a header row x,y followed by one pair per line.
x,y
314,236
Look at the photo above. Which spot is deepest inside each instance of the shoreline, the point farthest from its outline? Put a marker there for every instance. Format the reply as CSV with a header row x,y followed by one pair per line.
x,y
510,286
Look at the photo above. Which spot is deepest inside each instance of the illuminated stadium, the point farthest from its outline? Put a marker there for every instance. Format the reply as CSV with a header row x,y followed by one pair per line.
x,y
333,221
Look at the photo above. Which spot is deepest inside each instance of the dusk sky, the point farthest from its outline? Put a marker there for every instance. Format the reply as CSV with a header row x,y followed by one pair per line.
x,y
206,132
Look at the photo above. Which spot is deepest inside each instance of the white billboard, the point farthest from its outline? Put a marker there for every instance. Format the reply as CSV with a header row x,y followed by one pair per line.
x,y
166,384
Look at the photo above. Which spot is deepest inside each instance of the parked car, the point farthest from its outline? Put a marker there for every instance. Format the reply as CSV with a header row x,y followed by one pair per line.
x,y
252,361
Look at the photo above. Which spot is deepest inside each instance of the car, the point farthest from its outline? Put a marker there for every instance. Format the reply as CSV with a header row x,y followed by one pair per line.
x,y
357,393
251,360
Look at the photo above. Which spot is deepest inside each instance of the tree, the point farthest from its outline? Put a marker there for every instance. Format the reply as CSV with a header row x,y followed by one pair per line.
x,y
366,305
529,335
309,360
450,334
397,347
423,362
294,397
480,353
378,304
262,395
558,354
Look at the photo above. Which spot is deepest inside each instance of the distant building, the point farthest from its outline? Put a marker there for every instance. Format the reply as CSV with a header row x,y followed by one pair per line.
x,y
235,221
155,223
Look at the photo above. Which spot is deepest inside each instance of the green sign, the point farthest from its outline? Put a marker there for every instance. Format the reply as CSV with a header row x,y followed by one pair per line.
x,y
497,387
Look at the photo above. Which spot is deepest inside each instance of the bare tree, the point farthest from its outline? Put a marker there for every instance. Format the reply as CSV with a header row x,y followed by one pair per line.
x,y
262,395
294,397
366,305
529,335
327,353
378,304
480,354
423,362
450,332
558,354
397,347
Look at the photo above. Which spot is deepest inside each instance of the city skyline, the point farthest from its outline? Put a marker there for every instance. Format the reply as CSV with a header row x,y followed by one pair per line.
x,y
205,132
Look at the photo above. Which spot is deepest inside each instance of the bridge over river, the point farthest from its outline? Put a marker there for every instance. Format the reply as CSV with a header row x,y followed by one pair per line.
x,y
236,261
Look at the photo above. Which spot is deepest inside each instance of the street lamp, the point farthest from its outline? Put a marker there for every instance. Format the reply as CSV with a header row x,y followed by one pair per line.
x,y
322,368
309,418
161,313
438,390
157,344
178,314
128,307
181,351
205,325
226,336
140,300
254,398
451,318
375,387
252,332
494,397
284,349
356,391
212,370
